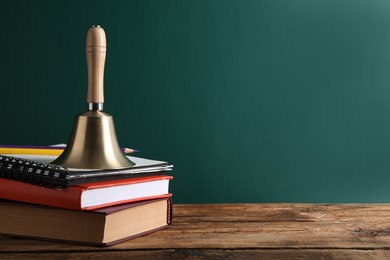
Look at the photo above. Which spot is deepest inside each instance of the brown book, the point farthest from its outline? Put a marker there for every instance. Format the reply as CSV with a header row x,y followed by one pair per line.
x,y
103,227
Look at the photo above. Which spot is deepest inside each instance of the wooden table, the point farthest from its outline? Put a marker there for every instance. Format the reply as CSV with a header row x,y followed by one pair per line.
x,y
242,231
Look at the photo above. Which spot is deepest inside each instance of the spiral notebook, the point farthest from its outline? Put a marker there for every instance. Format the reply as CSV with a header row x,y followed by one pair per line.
x,y
36,169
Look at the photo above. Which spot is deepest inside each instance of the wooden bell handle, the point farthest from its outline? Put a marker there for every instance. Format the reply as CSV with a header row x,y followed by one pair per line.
x,y
96,57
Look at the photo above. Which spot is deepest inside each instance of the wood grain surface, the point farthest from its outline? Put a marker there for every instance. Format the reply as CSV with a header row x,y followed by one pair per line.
x,y
241,231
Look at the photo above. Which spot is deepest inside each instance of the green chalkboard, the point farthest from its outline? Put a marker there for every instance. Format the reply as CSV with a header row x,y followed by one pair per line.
x,y
252,101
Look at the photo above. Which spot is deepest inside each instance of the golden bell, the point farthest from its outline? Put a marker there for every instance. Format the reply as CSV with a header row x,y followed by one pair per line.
x,y
93,144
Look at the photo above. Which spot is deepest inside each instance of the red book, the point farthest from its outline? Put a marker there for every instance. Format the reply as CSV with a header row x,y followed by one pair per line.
x,y
88,196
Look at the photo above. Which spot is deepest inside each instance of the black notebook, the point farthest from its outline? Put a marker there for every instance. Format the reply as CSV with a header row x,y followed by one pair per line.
x,y
36,169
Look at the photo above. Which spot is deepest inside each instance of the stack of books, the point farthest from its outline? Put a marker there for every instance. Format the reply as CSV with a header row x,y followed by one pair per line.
x,y
97,207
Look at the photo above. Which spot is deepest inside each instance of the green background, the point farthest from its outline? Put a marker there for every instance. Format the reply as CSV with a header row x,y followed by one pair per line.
x,y
251,100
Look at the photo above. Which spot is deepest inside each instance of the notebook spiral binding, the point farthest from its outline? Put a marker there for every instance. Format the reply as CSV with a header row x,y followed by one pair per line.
x,y
43,174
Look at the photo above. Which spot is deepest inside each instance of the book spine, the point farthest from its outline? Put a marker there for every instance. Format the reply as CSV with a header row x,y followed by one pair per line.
x,y
169,214
25,192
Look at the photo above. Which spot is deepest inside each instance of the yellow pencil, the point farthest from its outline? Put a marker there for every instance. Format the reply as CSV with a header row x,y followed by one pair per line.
x,y
42,150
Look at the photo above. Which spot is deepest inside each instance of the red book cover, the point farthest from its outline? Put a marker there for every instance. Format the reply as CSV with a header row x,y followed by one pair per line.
x,y
88,196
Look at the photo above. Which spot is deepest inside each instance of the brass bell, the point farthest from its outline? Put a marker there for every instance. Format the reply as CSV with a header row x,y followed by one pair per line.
x,y
93,143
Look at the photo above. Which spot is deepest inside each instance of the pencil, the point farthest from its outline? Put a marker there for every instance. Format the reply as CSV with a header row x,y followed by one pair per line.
x,y
42,150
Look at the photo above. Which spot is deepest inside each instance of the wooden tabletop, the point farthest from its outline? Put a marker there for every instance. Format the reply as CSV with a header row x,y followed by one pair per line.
x,y
242,231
